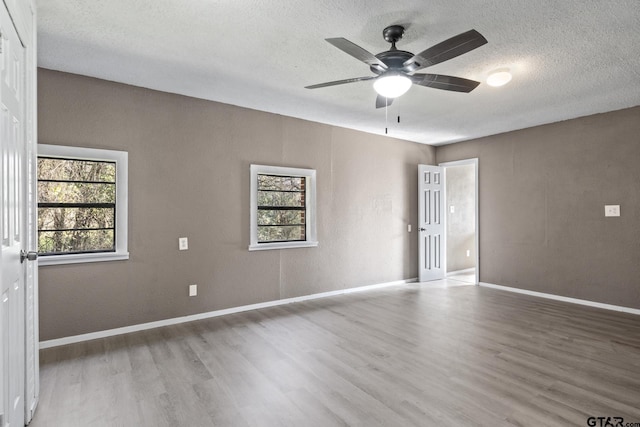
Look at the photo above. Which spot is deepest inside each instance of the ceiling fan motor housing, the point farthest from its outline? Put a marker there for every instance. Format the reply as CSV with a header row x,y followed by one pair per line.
x,y
393,59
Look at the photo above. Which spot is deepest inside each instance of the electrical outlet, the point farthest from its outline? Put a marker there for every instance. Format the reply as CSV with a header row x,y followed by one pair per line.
x,y
183,243
193,290
612,210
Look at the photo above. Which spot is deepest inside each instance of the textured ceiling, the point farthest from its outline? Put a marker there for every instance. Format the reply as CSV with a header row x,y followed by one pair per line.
x,y
569,58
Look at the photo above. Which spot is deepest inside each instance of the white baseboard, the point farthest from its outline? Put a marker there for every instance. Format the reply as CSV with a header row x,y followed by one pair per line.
x,y
565,299
176,320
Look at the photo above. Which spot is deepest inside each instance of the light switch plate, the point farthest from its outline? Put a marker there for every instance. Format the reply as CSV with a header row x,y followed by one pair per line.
x,y
409,228
612,210
452,209
183,243
193,290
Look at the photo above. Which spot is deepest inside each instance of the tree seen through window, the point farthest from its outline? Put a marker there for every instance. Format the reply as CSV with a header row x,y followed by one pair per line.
x,y
76,206
281,208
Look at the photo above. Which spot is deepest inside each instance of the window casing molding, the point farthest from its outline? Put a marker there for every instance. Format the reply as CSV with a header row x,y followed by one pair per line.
x,y
310,207
120,158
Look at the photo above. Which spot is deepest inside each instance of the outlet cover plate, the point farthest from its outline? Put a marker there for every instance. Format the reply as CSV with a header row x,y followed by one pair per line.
x,y
612,210
183,243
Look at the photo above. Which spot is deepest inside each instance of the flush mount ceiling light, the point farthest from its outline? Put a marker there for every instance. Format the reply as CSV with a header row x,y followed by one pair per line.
x,y
392,85
499,77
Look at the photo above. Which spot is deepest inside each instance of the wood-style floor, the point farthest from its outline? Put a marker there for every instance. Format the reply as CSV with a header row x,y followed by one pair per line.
x,y
411,355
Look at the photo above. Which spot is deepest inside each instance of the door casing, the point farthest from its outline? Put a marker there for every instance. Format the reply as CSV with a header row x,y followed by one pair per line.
x,y
472,161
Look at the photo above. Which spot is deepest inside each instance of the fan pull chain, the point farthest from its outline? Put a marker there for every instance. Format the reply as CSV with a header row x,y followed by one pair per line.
x,y
386,116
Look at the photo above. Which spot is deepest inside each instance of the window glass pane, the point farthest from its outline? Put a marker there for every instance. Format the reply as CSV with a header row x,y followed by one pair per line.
x,y
277,198
283,183
280,233
71,192
75,218
75,241
279,217
76,170
76,205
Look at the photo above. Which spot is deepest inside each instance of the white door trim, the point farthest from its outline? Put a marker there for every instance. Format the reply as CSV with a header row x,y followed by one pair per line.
x,y
472,161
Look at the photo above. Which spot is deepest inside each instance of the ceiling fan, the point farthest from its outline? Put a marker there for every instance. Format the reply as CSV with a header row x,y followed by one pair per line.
x,y
395,69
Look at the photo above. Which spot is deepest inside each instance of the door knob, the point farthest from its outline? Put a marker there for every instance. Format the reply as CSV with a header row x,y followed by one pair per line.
x,y
422,229
31,256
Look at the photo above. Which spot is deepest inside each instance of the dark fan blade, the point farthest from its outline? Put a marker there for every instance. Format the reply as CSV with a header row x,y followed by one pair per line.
x,y
357,52
448,49
382,102
341,82
438,81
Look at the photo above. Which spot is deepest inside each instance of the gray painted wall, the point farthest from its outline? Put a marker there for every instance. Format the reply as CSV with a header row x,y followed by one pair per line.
x,y
189,176
542,193
461,223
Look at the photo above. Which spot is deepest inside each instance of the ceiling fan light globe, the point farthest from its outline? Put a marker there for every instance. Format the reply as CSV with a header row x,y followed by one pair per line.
x,y
392,86
499,77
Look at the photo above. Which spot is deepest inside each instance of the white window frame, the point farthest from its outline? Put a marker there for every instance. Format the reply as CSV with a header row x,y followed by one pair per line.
x,y
310,203
122,169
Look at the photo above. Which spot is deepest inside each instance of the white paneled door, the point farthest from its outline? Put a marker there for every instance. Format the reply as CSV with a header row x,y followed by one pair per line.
x,y
18,280
431,249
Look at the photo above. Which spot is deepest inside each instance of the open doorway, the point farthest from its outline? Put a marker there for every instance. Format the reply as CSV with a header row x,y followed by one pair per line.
x,y
461,220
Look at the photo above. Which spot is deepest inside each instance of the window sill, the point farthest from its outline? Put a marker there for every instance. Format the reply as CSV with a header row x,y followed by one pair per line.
x,y
82,258
282,245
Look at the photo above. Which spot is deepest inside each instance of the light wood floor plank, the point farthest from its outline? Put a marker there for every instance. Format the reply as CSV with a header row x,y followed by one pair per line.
x,y
406,355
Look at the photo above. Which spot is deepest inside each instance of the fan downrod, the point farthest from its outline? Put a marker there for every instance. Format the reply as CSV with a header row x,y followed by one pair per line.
x,y
392,34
